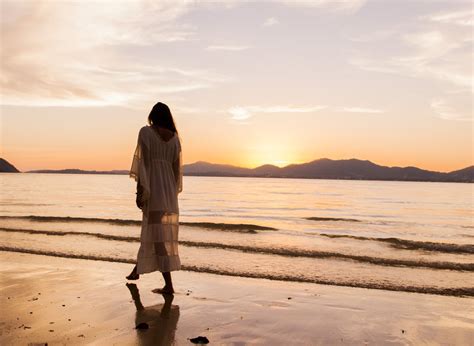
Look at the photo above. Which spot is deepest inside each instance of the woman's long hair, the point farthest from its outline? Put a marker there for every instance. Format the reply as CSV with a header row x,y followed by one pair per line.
x,y
160,116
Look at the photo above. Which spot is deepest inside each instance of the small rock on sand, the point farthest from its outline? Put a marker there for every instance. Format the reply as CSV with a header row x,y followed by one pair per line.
x,y
142,325
199,340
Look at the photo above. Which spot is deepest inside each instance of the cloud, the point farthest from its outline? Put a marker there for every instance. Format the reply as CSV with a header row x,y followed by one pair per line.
x,y
350,6
85,54
444,111
373,36
362,110
462,17
240,113
271,21
230,48
243,113
443,56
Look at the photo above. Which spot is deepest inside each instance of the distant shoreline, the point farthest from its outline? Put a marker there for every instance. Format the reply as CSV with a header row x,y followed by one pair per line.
x,y
245,176
351,169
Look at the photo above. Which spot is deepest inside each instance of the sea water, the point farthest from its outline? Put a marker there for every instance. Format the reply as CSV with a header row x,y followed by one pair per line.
x,y
404,236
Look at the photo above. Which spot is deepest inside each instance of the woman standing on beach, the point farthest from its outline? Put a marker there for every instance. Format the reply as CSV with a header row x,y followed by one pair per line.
x,y
156,168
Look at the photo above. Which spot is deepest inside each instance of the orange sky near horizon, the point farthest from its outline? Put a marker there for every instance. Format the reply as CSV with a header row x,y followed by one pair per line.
x,y
300,81
106,142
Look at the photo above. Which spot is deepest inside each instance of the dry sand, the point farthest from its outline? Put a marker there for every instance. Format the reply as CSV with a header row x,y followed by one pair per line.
x,y
68,301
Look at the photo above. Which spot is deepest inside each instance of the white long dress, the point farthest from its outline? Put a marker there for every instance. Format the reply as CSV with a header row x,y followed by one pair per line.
x,y
157,167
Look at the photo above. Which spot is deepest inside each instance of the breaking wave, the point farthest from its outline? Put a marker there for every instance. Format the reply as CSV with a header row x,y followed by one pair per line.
x,y
458,292
288,252
412,244
242,227
317,218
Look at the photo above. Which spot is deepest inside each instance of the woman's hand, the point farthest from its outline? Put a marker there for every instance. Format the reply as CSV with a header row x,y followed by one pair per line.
x,y
139,198
139,201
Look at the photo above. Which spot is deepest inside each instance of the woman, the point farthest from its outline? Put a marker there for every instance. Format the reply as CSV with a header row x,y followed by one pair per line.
x,y
156,168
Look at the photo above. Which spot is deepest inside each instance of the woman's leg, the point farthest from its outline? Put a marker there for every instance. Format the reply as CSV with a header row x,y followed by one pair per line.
x,y
168,282
133,275
168,287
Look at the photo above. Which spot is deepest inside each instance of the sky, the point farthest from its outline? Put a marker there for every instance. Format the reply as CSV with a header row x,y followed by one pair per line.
x,y
248,83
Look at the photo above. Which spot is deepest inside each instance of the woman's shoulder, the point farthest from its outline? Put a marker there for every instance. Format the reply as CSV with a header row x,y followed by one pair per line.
x,y
144,135
144,129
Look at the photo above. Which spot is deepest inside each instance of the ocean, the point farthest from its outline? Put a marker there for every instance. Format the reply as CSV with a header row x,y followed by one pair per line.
x,y
400,236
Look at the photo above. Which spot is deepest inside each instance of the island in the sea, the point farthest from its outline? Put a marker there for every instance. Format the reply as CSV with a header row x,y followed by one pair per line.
x,y
352,169
7,167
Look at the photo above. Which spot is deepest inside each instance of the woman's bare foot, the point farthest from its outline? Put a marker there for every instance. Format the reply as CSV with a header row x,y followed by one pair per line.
x,y
133,275
164,290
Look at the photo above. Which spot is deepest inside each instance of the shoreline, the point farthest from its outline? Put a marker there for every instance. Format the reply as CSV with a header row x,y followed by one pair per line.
x,y
461,292
260,177
57,300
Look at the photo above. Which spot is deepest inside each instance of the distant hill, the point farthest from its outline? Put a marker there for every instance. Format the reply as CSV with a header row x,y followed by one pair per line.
x,y
332,169
352,169
77,171
465,175
7,167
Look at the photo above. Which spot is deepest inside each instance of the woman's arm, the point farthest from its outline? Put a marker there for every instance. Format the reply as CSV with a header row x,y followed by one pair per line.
x,y
177,168
176,171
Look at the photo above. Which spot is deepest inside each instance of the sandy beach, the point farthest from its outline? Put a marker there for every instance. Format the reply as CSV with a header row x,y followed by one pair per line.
x,y
69,301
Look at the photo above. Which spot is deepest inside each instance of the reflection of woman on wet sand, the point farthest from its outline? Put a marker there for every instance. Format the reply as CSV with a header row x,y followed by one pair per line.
x,y
157,169
162,319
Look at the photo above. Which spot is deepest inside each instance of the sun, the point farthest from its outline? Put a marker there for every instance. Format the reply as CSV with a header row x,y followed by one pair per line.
x,y
280,163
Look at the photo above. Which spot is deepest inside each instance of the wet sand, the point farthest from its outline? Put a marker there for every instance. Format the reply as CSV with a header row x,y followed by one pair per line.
x,y
70,301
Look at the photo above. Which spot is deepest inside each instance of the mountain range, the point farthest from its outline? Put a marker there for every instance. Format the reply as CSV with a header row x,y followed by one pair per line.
x,y
352,169
332,169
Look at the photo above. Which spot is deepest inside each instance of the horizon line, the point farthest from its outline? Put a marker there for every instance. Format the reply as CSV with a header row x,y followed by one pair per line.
x,y
250,168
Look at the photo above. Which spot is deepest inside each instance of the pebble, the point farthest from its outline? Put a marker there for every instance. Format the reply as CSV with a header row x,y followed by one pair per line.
x,y
199,340
142,325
